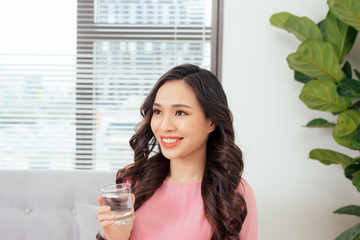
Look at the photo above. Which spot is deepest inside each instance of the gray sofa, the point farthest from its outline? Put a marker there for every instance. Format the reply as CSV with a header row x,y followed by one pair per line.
x,y
50,204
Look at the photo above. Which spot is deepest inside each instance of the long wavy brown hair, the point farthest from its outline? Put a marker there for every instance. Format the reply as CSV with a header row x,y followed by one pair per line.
x,y
224,206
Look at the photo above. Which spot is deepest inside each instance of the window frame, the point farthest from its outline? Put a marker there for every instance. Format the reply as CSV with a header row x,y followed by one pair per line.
x,y
85,87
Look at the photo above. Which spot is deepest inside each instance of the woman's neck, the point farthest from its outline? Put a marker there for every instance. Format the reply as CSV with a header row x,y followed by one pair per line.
x,y
183,172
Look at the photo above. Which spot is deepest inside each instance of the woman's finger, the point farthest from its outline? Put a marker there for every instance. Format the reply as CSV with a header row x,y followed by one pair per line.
x,y
133,198
105,217
104,224
100,201
103,209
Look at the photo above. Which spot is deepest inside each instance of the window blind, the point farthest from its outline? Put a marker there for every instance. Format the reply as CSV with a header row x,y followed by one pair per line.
x,y
70,97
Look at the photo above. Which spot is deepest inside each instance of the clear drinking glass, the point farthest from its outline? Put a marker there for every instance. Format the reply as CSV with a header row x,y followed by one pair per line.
x,y
118,197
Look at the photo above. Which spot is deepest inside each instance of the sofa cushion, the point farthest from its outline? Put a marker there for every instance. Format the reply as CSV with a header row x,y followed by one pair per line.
x,y
87,219
40,204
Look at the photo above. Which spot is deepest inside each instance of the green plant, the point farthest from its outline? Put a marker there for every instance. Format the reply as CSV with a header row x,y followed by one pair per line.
x,y
330,84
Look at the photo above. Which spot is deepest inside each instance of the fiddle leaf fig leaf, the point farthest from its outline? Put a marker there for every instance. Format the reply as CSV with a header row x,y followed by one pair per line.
x,y
319,122
351,170
357,74
340,34
302,27
348,87
321,95
328,157
347,69
349,210
321,26
316,59
352,233
356,142
356,106
279,19
356,180
298,76
345,127
347,11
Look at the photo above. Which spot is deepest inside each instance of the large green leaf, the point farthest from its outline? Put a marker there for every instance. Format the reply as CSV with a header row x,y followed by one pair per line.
x,y
298,76
279,19
321,26
302,27
351,169
316,59
341,35
319,122
321,95
356,180
350,234
357,73
347,11
345,127
348,87
347,69
356,106
349,210
328,157
356,142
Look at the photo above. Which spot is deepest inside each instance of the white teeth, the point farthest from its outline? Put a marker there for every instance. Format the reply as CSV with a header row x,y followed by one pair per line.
x,y
170,140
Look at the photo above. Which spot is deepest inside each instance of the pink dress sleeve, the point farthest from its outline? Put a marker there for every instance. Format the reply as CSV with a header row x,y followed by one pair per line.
x,y
249,231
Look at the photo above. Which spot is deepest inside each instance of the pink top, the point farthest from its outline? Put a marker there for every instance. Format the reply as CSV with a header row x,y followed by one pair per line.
x,y
177,210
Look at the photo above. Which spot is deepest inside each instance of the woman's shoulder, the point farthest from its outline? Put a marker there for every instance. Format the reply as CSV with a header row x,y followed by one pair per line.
x,y
247,192
244,187
249,230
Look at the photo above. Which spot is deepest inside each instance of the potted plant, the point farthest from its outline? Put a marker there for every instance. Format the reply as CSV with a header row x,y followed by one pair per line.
x,y
330,84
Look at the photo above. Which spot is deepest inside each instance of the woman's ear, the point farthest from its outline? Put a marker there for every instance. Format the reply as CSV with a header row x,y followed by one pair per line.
x,y
212,126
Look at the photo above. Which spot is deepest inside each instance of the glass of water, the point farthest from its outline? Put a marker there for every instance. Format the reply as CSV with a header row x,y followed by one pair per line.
x,y
118,197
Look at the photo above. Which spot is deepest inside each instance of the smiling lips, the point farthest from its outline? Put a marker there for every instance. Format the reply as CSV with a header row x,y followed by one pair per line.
x,y
169,142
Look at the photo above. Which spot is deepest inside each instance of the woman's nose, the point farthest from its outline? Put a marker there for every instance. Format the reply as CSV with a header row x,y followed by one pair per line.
x,y
167,123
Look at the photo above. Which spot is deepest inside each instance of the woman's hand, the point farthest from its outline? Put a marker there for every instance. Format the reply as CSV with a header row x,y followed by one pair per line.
x,y
106,219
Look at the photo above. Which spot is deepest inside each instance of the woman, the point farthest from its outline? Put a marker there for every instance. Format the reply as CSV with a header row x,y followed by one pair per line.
x,y
186,175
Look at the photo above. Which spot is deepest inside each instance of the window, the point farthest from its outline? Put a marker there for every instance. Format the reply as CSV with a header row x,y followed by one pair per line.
x,y
71,89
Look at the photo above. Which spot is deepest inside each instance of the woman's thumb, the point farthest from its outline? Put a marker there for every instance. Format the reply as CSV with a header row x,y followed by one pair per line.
x,y
100,201
133,198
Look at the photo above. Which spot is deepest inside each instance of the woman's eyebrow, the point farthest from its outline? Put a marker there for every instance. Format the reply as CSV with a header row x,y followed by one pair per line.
x,y
174,105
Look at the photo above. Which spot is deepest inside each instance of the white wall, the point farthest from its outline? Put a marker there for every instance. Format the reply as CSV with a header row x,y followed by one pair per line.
x,y
295,195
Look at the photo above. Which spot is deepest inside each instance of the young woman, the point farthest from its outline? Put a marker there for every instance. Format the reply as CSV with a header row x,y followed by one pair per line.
x,y
186,174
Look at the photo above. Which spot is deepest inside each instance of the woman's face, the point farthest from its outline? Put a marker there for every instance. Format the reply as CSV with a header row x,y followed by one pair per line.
x,y
179,122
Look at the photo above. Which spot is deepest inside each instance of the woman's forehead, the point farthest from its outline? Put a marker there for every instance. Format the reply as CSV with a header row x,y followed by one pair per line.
x,y
176,93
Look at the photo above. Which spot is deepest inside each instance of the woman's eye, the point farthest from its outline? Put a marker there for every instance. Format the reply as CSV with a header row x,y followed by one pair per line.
x,y
180,113
156,112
